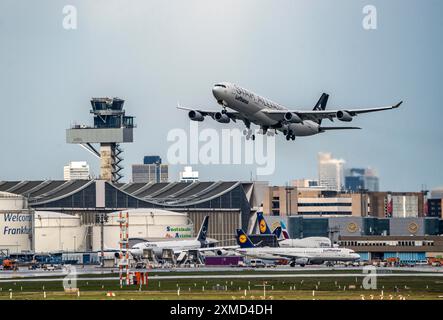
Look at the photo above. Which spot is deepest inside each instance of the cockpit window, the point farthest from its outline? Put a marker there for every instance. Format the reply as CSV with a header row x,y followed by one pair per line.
x,y
220,85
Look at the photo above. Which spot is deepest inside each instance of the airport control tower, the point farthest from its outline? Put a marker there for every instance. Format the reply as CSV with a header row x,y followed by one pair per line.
x,y
111,127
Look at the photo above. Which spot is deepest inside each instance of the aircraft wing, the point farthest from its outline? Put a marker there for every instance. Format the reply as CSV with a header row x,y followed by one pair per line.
x,y
219,248
324,114
233,115
208,249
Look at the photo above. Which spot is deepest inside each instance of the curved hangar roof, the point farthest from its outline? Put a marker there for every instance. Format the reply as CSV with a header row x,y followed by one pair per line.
x,y
174,194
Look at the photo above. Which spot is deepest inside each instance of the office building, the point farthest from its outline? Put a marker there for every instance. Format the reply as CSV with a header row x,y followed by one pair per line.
x,y
434,208
187,175
76,170
305,183
359,178
330,172
313,202
152,170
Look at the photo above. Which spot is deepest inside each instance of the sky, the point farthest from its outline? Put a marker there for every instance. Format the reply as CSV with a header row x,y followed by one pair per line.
x,y
155,53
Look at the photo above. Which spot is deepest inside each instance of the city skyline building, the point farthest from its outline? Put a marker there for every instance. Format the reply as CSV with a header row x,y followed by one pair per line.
x,y
76,170
188,175
152,170
357,179
330,172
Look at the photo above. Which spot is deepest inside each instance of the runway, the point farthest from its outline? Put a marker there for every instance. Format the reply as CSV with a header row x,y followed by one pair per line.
x,y
223,273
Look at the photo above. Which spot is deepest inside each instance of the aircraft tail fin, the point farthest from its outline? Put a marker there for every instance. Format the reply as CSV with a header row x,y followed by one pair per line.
x,y
284,230
262,225
321,104
203,229
277,232
243,240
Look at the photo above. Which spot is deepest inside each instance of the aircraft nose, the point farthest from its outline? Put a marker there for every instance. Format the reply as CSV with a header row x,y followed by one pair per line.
x,y
216,91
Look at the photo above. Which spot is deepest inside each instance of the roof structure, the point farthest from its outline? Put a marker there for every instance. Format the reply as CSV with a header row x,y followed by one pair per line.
x,y
133,195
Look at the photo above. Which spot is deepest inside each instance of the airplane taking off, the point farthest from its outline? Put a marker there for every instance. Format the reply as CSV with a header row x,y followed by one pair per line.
x,y
254,109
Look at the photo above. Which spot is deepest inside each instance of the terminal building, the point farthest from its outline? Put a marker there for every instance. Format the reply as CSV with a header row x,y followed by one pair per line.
x,y
408,239
315,202
230,205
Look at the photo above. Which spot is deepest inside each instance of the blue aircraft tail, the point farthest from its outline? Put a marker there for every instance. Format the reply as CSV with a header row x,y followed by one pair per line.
x,y
321,104
262,225
264,228
243,240
277,232
203,230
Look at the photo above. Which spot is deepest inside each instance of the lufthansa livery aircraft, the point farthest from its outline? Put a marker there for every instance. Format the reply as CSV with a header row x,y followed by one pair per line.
x,y
241,104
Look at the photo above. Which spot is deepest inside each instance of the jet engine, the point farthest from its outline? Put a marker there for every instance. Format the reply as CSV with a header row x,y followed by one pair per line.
x,y
344,116
301,261
292,117
221,117
195,116
221,252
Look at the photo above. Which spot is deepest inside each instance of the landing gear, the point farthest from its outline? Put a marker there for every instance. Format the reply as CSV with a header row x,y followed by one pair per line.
x,y
248,134
290,137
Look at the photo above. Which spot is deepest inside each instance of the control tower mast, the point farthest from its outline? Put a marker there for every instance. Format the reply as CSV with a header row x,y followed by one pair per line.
x,y
111,127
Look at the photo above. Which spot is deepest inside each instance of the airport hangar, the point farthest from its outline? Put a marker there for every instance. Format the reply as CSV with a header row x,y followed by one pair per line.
x,y
230,205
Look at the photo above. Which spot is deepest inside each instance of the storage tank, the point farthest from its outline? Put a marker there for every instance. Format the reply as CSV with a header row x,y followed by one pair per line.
x,y
15,223
56,232
146,224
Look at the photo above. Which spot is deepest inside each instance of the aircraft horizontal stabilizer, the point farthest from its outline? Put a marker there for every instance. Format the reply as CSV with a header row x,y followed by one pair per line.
x,y
322,129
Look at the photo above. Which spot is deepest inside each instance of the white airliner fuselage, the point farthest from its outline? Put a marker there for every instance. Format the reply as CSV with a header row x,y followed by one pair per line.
x,y
159,246
301,256
252,105
254,109
310,242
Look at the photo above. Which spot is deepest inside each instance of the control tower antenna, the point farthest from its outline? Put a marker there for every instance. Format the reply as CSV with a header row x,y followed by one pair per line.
x,y
111,128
